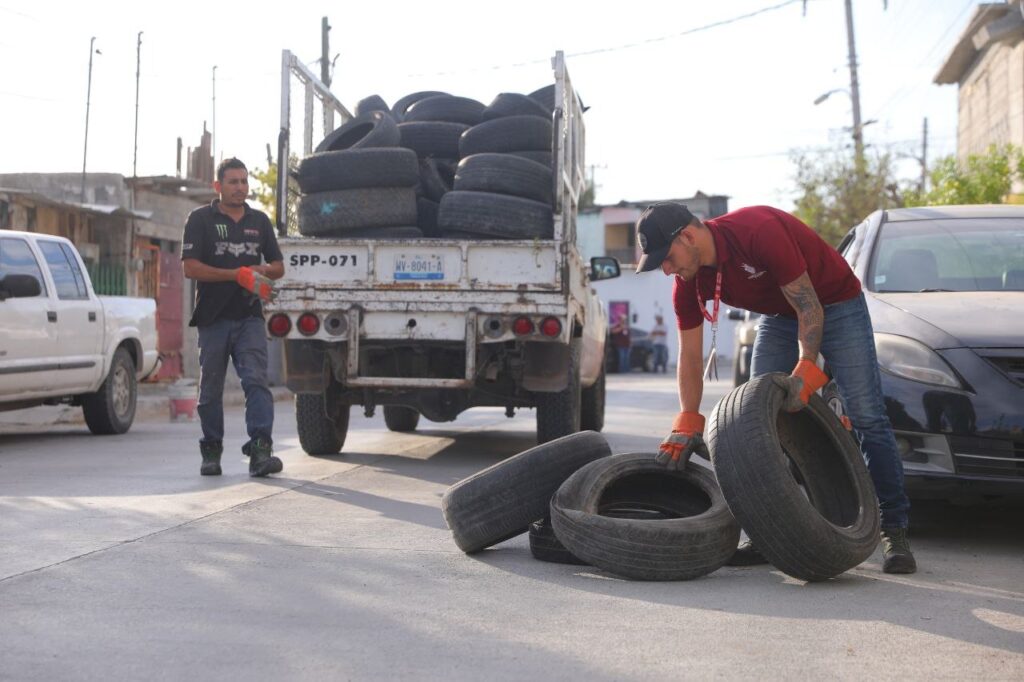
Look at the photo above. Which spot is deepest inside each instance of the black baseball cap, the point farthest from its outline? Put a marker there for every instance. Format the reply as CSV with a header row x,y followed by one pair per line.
x,y
656,227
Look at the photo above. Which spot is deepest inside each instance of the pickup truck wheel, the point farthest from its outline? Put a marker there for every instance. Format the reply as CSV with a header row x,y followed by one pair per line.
x,y
318,433
502,501
401,419
495,215
558,414
592,405
111,409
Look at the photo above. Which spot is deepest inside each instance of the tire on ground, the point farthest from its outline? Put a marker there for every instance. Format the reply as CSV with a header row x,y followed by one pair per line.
x,y
446,108
508,134
432,138
495,215
812,531
504,174
373,129
320,433
401,419
644,549
357,168
502,501
111,409
336,212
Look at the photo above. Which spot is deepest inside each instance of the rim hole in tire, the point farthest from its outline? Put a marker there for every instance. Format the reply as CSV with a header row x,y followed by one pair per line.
x,y
654,496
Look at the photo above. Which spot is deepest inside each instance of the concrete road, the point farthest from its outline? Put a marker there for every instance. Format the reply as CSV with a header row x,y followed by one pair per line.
x,y
119,561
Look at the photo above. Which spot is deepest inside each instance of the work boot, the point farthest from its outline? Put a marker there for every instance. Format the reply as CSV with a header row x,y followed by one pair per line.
x,y
247,447
211,451
746,555
261,459
896,554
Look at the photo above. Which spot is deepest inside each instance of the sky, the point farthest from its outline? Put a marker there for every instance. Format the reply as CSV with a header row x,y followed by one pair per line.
x,y
679,101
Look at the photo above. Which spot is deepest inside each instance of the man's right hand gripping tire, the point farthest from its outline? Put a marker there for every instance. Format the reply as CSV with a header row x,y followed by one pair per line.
x,y
687,438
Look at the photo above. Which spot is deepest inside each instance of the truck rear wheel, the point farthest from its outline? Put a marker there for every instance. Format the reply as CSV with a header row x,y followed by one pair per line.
x,y
111,409
319,433
592,405
401,419
558,414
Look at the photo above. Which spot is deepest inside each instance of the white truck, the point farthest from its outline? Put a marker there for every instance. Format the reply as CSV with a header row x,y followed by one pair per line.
x,y
61,343
433,327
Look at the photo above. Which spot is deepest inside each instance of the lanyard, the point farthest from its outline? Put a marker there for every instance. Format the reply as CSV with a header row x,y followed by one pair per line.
x,y
712,365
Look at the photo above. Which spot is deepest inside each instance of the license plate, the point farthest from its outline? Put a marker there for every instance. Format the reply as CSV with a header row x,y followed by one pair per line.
x,y
419,266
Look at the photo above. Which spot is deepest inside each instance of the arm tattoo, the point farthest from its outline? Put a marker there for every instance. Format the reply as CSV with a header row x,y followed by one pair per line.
x,y
809,313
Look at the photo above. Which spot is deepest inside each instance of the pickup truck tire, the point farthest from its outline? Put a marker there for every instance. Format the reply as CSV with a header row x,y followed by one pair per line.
x,y
495,215
402,105
508,134
373,129
592,405
372,103
318,433
401,419
514,104
812,529
502,501
432,138
682,548
558,414
335,213
446,108
111,409
504,174
357,168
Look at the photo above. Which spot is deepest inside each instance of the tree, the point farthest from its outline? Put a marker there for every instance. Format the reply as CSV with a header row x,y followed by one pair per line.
x,y
265,192
982,179
836,194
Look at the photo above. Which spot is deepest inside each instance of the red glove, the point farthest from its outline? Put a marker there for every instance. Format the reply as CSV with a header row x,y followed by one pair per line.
x,y
258,284
805,379
686,438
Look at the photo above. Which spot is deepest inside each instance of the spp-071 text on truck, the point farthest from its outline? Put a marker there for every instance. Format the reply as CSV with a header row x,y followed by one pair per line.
x,y
486,302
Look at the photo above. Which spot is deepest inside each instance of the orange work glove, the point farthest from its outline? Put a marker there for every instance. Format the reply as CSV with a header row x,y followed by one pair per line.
x,y
686,438
258,284
805,379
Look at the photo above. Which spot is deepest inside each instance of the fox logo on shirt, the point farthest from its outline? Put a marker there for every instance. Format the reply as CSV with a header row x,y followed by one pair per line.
x,y
751,271
250,248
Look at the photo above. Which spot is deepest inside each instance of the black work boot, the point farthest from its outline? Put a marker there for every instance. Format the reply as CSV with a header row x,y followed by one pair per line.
x,y
211,451
746,555
896,554
247,447
261,459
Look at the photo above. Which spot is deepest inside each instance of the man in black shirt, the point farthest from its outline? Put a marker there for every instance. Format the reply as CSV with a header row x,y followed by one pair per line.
x,y
224,249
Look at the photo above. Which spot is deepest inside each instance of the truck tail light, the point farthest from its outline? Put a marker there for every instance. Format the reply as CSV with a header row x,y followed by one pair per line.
x,y
550,327
279,325
308,324
522,326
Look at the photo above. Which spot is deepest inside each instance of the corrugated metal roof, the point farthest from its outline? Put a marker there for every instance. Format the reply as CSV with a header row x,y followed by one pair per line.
x,y
95,209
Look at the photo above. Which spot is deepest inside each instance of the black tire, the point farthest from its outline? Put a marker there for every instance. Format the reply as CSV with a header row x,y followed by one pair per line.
x,y
319,433
403,232
545,159
334,213
426,217
373,129
545,97
446,108
432,138
402,104
111,409
502,501
357,168
644,549
401,419
509,134
514,104
372,103
544,545
495,216
592,401
812,531
504,174
436,177
558,414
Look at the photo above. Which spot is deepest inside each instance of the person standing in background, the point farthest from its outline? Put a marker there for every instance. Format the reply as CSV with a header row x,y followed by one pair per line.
x,y
659,339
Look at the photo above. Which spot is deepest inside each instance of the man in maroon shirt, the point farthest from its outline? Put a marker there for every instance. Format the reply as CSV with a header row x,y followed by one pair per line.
x,y
765,260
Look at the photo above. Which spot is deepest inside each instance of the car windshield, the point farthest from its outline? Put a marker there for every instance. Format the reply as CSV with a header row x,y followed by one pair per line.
x,y
949,255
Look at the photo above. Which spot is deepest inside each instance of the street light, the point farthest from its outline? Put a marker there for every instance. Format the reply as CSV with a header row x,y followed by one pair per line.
x,y
88,99
858,127
822,98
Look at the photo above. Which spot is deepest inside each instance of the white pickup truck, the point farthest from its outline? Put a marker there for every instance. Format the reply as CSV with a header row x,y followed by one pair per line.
x,y
61,343
435,326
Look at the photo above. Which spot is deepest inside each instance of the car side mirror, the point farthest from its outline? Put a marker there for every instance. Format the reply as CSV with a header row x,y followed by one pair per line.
x,y
735,314
19,286
604,267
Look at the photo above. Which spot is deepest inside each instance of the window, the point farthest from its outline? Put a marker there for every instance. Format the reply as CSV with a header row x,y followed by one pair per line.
x,y
67,276
16,259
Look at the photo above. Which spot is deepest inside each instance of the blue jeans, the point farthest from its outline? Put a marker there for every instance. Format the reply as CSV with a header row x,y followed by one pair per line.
x,y
245,342
660,357
849,348
624,365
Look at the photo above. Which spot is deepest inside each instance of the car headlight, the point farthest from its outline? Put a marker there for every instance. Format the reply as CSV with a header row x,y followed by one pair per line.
x,y
912,359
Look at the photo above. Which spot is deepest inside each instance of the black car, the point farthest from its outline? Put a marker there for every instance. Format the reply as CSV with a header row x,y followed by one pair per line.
x,y
945,290
641,352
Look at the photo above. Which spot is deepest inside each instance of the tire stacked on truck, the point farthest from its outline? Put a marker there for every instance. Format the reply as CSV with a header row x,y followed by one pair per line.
x,y
359,182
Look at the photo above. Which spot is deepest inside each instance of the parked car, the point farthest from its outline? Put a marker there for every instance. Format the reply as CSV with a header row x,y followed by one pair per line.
x,y
945,291
641,352
61,343
746,331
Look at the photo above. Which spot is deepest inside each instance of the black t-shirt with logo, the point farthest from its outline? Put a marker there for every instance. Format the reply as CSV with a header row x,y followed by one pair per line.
x,y
214,238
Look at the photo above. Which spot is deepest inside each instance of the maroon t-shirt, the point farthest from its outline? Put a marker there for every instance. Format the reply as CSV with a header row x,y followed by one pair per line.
x,y
761,249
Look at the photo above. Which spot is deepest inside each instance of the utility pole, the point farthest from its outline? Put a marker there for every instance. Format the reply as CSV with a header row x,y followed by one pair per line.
x,y
138,67
213,133
325,51
924,156
88,100
858,131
